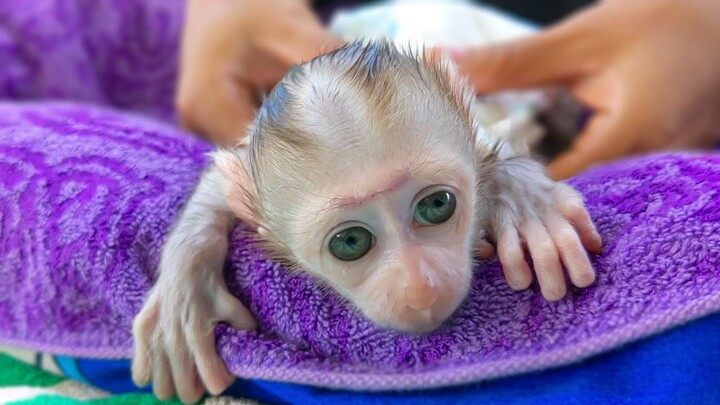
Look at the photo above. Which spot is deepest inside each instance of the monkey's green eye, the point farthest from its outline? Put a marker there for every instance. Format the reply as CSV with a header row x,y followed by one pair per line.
x,y
351,244
435,208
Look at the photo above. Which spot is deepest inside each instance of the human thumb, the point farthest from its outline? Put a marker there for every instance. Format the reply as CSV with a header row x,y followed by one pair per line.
x,y
309,40
553,56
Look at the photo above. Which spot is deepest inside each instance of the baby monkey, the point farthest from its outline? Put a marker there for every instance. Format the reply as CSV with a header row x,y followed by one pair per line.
x,y
366,168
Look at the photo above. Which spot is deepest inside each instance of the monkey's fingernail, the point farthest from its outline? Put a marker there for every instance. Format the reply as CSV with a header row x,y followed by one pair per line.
x,y
141,382
217,385
140,376
228,380
597,242
519,280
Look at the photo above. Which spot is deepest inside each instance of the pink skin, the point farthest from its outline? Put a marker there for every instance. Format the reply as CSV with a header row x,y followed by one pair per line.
x,y
419,291
397,181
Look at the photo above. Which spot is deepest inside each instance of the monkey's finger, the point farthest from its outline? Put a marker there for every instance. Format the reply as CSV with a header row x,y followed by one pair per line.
x,y
231,310
162,378
573,209
183,371
546,261
572,253
197,391
141,368
511,256
210,366
557,54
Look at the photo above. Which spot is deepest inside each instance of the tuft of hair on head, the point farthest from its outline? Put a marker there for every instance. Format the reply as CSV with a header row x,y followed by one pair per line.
x,y
375,68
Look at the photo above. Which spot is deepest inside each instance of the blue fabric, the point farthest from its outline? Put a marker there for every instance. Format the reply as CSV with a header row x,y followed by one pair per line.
x,y
678,366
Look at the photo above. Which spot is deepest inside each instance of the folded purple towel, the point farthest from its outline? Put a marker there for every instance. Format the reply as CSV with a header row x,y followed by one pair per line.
x,y
87,196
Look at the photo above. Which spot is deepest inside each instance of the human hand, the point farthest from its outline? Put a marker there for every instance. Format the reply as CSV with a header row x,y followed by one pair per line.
x,y
232,50
648,70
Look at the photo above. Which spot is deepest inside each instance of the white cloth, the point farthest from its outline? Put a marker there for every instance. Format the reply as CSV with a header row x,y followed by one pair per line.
x,y
455,23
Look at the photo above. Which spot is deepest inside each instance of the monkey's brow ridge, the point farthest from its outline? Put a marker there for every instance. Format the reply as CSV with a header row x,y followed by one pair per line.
x,y
397,181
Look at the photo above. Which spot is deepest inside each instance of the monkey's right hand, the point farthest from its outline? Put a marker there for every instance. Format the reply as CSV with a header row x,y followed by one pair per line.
x,y
174,333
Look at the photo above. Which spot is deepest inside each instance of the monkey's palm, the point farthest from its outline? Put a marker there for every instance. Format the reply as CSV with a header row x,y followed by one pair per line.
x,y
174,334
549,219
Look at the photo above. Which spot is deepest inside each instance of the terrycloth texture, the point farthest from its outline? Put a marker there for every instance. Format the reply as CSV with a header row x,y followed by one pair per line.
x,y
120,53
85,200
123,54
87,195
680,366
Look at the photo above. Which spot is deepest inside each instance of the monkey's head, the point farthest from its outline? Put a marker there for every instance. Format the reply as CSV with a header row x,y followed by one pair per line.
x,y
361,169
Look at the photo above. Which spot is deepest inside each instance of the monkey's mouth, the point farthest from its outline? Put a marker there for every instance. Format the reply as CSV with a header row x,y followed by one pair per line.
x,y
424,321
421,321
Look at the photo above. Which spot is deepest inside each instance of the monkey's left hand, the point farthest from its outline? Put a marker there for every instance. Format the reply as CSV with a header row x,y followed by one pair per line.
x,y
548,218
174,333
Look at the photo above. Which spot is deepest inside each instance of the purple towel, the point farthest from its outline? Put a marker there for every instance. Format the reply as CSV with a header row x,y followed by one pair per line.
x,y
87,196
121,53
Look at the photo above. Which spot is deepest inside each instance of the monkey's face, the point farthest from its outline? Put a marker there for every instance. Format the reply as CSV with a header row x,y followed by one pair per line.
x,y
363,168
397,244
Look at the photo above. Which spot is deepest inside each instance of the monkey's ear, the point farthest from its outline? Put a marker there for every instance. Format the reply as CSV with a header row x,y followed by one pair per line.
x,y
240,192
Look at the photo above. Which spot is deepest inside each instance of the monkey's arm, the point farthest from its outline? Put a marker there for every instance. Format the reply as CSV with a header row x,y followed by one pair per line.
x,y
549,218
174,339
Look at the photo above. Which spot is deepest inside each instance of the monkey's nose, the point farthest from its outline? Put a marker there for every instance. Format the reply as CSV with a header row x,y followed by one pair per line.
x,y
420,293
